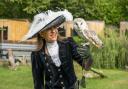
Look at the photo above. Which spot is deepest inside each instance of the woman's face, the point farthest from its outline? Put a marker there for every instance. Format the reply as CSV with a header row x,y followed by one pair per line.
x,y
50,35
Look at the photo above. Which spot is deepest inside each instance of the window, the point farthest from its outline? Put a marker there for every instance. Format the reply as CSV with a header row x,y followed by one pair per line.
x,y
3,33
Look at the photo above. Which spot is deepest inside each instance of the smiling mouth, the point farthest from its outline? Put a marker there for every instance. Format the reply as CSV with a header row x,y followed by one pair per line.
x,y
54,35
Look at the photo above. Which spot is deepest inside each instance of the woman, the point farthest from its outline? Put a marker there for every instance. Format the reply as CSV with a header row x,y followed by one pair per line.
x,y
52,63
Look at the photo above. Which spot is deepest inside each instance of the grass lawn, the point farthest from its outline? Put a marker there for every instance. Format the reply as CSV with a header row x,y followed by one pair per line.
x,y
16,79
116,79
22,79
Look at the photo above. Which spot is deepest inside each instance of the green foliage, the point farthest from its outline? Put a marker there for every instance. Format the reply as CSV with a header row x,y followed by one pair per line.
x,y
11,9
36,6
112,12
114,54
109,11
123,4
78,39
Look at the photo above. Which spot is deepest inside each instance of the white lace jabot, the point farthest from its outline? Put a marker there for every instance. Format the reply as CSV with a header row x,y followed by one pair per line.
x,y
53,50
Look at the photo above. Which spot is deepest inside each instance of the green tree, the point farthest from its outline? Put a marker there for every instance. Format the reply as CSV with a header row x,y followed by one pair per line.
x,y
10,9
112,12
123,4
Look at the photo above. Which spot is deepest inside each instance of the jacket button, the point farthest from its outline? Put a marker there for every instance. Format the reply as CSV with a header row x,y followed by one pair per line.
x,y
49,70
50,81
50,76
59,69
62,83
47,64
61,76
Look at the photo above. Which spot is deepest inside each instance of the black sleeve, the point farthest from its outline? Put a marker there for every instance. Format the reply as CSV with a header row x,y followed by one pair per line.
x,y
85,59
75,55
37,71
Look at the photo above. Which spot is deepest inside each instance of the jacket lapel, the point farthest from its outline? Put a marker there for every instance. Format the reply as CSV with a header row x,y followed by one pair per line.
x,y
62,52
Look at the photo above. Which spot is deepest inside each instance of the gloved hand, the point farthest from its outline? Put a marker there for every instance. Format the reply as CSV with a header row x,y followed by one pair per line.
x,y
84,50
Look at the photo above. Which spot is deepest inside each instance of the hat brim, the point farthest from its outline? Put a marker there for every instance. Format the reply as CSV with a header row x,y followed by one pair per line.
x,y
54,23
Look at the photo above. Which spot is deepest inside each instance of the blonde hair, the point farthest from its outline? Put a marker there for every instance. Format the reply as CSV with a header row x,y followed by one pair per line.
x,y
41,41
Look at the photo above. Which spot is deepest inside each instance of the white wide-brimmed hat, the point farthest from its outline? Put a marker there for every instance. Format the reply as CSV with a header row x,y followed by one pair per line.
x,y
46,20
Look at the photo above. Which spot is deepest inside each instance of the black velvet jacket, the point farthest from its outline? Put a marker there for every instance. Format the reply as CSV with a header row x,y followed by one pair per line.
x,y
67,53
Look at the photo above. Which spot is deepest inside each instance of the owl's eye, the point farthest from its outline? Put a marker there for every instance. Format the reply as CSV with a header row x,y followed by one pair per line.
x,y
76,24
81,23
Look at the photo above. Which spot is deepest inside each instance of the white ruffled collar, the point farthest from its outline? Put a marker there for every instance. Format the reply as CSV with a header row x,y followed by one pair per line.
x,y
53,50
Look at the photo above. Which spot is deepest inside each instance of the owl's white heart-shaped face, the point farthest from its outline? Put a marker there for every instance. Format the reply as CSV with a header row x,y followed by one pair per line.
x,y
80,23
